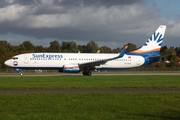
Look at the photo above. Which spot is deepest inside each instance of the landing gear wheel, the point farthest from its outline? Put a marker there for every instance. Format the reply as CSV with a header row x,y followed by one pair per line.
x,y
87,73
21,73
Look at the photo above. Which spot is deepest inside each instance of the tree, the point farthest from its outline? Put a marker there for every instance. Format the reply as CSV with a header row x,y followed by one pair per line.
x,y
177,49
4,47
28,46
117,50
69,47
40,48
54,46
4,50
171,56
92,47
163,50
105,49
21,48
82,48
131,47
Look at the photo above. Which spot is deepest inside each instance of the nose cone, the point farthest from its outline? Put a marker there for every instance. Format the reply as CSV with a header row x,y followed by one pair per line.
x,y
7,62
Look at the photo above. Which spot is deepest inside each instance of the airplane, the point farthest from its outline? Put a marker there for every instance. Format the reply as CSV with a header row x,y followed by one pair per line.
x,y
77,62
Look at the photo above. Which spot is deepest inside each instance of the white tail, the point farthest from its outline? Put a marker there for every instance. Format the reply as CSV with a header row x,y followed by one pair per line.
x,y
154,43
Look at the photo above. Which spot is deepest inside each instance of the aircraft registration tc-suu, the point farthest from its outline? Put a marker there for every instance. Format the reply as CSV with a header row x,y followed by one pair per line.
x,y
77,62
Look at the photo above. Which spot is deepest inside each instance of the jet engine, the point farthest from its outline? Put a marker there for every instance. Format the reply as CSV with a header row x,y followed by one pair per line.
x,y
71,68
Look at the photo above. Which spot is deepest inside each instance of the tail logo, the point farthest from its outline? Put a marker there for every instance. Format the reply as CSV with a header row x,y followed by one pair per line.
x,y
155,40
153,44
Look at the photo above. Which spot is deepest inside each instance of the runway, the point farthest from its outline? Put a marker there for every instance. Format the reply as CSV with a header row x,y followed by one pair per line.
x,y
94,73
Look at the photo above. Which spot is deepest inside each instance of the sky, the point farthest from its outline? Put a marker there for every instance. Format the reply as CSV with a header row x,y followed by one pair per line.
x,y
112,23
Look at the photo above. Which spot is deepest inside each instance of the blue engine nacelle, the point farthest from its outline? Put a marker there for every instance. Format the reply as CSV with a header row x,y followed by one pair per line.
x,y
17,69
71,68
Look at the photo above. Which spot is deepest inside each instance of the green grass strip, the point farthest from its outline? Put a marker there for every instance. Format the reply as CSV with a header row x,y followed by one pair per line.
x,y
82,82
93,106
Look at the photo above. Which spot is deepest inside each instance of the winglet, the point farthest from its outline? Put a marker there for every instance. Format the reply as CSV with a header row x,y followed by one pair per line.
x,y
123,52
98,51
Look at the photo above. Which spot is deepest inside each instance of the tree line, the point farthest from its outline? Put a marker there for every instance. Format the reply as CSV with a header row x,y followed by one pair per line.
x,y
7,51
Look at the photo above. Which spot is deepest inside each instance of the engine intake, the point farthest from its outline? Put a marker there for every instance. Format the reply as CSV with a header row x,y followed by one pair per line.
x,y
71,68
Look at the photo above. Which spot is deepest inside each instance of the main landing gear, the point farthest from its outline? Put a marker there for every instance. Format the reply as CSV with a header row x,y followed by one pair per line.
x,y
87,73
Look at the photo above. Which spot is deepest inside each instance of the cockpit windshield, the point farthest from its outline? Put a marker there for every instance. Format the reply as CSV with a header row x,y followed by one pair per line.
x,y
15,58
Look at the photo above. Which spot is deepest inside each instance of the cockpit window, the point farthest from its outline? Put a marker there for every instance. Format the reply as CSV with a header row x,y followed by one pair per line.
x,y
15,58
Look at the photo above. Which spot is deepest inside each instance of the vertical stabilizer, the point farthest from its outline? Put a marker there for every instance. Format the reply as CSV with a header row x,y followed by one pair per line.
x,y
154,43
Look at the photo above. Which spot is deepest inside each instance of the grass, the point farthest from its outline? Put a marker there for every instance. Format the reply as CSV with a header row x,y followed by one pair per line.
x,y
90,106
93,82
93,106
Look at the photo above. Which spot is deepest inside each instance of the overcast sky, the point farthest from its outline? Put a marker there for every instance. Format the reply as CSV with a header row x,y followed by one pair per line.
x,y
113,23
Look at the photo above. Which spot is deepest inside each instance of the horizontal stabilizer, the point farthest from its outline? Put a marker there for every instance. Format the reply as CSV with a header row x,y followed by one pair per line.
x,y
160,56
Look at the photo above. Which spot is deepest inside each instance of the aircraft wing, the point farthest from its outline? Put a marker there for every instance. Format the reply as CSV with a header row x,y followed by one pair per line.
x,y
100,62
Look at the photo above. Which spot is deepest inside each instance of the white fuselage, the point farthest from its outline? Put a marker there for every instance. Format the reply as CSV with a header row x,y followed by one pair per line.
x,y
58,60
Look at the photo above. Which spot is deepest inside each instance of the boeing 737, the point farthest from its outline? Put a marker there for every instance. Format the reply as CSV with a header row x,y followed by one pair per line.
x,y
77,62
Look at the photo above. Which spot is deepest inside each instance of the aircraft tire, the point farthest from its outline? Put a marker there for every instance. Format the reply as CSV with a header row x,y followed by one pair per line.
x,y
87,73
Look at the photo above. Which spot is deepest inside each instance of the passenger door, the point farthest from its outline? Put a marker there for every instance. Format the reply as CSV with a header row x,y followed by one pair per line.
x,y
26,59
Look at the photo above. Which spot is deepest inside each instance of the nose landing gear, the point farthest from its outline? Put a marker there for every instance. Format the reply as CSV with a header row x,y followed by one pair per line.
x,y
21,73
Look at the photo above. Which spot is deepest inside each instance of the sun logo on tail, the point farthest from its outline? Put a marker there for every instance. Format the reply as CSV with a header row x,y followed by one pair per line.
x,y
153,44
154,41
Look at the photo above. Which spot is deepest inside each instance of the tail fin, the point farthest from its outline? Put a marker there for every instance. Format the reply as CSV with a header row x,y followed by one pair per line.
x,y
154,43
